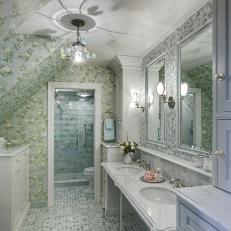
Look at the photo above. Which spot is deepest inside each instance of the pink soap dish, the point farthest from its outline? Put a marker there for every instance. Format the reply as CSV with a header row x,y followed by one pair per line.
x,y
153,181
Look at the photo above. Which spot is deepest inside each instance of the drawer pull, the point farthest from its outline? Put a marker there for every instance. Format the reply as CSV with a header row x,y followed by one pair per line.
x,y
220,76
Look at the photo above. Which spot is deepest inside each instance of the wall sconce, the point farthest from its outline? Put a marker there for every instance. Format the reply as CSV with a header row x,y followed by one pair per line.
x,y
160,88
135,100
150,99
184,89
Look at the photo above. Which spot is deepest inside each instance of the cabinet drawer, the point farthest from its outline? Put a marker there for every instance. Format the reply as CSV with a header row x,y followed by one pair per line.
x,y
189,221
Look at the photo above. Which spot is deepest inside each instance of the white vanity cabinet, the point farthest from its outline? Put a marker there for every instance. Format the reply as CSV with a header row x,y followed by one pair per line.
x,y
208,208
189,220
222,96
203,208
14,189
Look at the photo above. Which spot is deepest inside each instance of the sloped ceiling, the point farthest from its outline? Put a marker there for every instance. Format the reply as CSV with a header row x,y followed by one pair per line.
x,y
30,43
26,61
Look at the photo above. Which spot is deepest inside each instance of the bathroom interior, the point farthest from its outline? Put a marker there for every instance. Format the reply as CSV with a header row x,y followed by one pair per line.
x,y
115,115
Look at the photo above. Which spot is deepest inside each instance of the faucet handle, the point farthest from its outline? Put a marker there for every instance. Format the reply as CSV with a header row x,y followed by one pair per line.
x,y
172,180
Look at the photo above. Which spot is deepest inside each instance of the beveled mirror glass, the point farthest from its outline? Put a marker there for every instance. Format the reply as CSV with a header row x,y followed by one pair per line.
x,y
155,107
195,92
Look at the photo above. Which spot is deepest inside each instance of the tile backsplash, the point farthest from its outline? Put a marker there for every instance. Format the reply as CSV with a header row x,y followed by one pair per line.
x,y
170,169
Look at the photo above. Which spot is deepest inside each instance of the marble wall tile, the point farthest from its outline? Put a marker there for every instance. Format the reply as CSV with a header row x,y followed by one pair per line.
x,y
171,170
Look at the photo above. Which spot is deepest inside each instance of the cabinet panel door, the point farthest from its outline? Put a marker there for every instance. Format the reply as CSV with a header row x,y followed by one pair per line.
x,y
190,221
25,181
223,54
224,163
16,193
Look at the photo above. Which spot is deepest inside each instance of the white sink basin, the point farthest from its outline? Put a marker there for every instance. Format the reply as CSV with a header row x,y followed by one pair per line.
x,y
159,195
130,170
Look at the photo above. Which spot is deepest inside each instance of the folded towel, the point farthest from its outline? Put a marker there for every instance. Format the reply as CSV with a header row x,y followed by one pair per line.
x,y
109,124
109,130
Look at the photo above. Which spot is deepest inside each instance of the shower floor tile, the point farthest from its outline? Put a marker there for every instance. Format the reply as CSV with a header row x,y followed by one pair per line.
x,y
70,176
75,210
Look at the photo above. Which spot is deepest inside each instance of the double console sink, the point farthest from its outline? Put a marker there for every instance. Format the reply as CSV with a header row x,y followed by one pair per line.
x,y
154,202
155,194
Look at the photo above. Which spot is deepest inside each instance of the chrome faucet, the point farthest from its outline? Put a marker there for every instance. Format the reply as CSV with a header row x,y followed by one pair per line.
x,y
177,183
144,164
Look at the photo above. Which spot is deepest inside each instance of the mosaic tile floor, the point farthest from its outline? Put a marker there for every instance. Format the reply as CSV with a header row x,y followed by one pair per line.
x,y
75,210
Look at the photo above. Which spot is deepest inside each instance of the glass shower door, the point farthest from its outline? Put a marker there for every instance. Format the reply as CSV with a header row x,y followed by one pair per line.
x,y
74,134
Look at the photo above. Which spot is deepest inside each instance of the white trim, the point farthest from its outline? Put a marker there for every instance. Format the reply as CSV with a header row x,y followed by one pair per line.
x,y
121,62
97,134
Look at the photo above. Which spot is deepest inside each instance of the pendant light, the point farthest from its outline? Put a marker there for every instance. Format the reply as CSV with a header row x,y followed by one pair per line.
x,y
78,52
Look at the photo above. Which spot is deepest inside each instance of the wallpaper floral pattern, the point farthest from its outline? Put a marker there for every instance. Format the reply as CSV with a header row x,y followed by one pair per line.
x,y
201,78
169,47
28,125
26,62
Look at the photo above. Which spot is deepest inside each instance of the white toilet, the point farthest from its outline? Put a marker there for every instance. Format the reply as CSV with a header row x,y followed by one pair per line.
x,y
89,174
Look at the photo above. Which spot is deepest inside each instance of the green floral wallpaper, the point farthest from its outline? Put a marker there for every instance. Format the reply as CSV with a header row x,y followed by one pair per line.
x,y
26,62
29,123
201,77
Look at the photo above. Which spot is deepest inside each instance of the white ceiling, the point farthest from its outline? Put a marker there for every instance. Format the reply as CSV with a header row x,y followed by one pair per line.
x,y
146,22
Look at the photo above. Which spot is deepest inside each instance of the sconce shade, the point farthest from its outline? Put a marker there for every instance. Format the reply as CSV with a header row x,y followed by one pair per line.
x,y
160,88
150,99
135,98
184,89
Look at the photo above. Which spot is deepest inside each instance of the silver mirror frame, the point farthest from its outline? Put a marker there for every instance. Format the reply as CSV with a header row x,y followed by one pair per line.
x,y
161,144
180,44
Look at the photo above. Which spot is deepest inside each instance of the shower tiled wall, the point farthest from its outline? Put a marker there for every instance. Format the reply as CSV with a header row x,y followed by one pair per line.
x,y
74,131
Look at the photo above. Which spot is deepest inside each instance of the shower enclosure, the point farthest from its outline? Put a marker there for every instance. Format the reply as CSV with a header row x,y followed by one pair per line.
x,y
73,134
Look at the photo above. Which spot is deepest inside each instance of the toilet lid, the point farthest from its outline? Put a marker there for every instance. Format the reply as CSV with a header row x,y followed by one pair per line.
x,y
90,169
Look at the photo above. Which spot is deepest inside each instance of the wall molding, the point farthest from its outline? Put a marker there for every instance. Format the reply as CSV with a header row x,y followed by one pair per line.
x,y
121,62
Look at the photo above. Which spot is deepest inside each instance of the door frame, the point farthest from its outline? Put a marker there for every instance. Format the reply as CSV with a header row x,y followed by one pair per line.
x,y
97,133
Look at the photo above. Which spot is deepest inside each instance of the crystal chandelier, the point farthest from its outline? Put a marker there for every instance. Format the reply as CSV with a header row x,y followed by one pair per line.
x,y
78,52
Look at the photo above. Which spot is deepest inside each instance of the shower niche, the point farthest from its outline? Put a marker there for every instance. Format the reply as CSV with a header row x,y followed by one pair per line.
x,y
73,134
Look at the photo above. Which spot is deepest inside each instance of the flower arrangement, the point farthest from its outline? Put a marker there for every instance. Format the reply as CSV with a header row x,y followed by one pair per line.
x,y
128,147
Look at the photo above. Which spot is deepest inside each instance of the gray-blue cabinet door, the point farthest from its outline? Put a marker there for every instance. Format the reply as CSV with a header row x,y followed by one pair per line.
x,y
224,154
223,55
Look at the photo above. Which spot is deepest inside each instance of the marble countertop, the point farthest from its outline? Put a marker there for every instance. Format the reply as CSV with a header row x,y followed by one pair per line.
x,y
213,203
12,151
161,217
